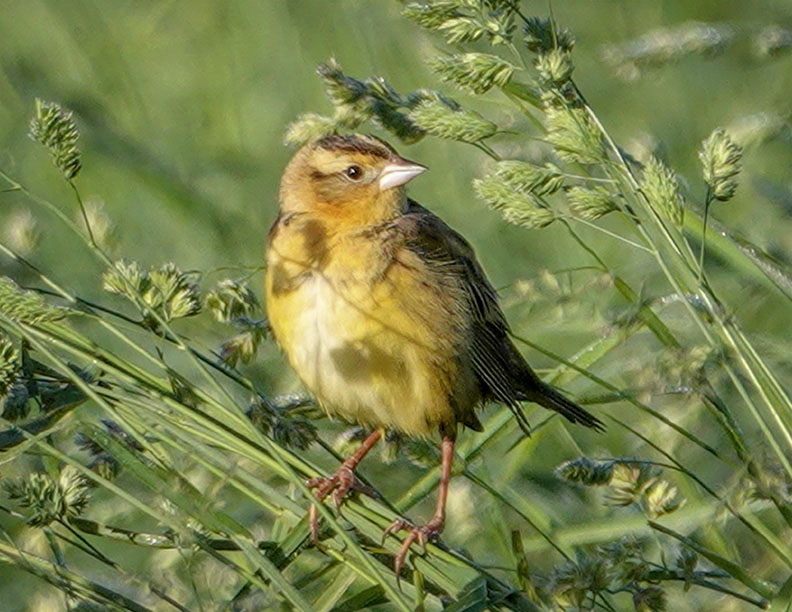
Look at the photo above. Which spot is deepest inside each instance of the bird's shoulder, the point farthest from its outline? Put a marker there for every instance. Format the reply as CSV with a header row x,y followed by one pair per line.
x,y
447,253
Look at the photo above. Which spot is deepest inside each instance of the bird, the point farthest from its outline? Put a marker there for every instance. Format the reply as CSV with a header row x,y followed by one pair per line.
x,y
386,315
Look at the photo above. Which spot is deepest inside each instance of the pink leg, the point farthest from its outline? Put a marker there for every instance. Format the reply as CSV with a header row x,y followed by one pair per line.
x,y
423,533
341,482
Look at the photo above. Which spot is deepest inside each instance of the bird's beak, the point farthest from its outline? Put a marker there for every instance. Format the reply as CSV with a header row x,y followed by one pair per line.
x,y
399,172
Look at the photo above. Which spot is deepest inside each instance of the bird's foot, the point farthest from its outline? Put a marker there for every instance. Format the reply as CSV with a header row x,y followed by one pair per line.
x,y
339,484
418,533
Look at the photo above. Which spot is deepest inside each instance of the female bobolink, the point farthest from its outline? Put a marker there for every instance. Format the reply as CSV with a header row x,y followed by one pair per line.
x,y
385,313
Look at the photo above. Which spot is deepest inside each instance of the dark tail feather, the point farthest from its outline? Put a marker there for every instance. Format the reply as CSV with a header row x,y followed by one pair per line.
x,y
522,420
546,396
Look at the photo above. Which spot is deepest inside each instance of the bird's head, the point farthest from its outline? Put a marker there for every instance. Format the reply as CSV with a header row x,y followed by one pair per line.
x,y
355,178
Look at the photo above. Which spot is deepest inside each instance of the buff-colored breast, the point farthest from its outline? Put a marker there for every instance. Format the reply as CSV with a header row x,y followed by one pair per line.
x,y
370,332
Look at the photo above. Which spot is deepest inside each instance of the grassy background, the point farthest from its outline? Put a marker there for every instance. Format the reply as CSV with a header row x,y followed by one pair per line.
x,y
182,108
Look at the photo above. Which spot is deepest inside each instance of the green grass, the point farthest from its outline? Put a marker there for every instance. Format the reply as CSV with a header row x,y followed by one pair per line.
x,y
195,505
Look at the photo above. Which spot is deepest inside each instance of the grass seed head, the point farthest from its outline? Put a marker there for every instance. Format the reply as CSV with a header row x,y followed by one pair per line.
x,y
661,188
54,127
721,161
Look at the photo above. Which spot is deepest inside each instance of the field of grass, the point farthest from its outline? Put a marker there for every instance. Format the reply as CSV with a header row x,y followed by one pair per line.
x,y
152,456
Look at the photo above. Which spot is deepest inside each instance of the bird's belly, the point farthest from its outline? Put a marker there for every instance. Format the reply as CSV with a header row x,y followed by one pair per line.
x,y
360,357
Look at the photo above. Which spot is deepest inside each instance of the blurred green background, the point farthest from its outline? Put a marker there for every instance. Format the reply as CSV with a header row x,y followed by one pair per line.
x,y
182,108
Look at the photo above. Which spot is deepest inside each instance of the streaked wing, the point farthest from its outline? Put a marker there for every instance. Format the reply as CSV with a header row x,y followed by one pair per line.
x,y
502,372
492,355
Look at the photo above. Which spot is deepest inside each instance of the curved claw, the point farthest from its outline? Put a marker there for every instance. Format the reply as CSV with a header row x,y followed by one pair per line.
x,y
339,484
313,483
395,527
421,533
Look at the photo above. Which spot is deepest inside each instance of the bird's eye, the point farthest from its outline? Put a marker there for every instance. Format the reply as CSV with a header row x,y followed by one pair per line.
x,y
354,172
